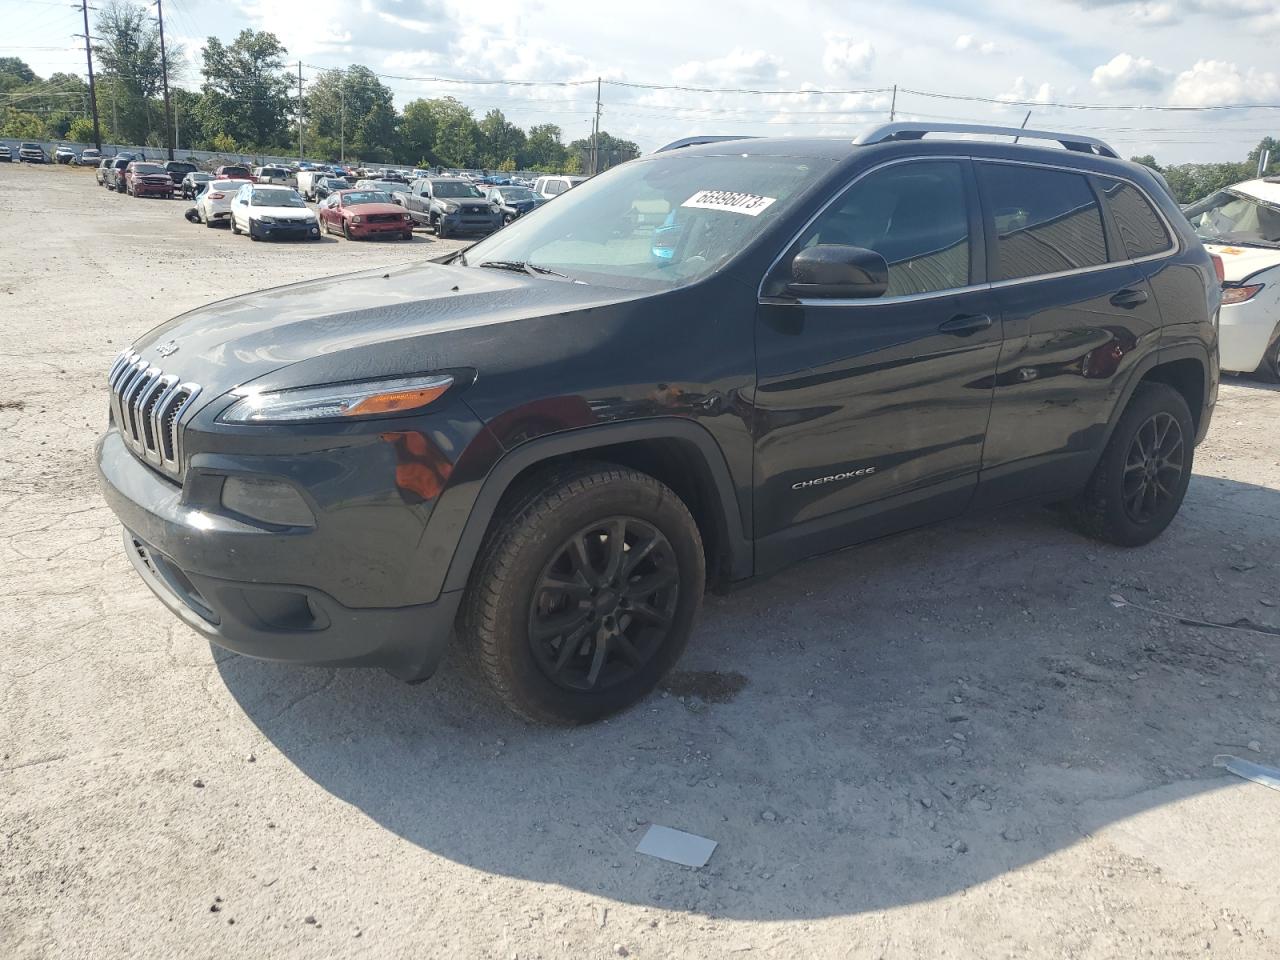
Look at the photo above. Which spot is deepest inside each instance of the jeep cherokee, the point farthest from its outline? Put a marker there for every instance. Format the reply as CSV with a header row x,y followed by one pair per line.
x,y
554,440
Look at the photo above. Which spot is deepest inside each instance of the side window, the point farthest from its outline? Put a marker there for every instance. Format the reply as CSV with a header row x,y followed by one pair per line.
x,y
1141,228
1047,221
915,215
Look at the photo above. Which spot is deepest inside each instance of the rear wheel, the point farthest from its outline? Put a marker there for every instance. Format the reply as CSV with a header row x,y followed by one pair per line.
x,y
208,221
1141,479
584,594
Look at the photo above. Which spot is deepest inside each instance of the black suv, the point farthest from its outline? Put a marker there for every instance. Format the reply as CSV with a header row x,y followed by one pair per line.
x,y
706,364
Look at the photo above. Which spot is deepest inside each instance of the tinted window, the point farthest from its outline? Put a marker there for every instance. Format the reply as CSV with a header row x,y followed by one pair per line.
x,y
912,214
1141,228
1046,221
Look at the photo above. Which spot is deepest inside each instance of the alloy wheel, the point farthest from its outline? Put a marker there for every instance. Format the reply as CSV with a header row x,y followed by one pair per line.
x,y
1153,467
603,606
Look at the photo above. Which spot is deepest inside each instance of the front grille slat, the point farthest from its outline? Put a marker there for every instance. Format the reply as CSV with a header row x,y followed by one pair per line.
x,y
148,406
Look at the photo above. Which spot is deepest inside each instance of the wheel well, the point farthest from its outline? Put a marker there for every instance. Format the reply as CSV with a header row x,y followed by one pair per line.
x,y
674,462
1185,376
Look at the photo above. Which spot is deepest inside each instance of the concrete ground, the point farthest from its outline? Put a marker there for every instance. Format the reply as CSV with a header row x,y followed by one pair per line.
x,y
955,743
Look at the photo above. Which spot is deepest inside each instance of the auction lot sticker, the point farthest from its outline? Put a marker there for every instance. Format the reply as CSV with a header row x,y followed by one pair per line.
x,y
749,203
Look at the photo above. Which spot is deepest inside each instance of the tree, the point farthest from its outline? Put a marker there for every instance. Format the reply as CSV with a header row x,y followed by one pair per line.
x,y
21,125
80,130
500,140
17,69
351,105
543,149
246,92
442,131
418,131
1147,160
130,69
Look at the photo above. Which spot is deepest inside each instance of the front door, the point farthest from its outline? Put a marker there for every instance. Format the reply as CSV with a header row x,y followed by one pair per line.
x,y
871,414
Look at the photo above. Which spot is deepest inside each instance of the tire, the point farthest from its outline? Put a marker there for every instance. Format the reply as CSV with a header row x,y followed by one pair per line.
x,y
530,545
235,229
1269,369
441,230
1106,510
346,230
407,236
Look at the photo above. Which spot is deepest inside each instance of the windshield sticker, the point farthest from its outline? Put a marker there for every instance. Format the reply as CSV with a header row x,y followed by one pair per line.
x,y
749,203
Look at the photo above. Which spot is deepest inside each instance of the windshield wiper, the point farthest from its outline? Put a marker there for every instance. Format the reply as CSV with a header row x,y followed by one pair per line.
x,y
523,266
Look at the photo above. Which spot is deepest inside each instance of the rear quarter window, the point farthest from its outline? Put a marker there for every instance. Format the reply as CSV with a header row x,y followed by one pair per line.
x,y
1141,229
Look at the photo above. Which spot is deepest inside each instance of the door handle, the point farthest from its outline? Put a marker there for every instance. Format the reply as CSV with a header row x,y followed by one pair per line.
x,y
1129,298
965,324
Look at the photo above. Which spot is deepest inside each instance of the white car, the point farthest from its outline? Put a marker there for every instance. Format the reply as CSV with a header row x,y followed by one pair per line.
x,y
264,211
213,204
1241,224
551,187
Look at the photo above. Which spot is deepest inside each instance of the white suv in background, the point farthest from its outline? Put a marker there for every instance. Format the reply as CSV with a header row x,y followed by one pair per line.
x,y
1241,224
549,187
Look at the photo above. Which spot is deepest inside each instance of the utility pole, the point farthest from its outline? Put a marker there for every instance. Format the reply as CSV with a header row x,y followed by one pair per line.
x,y
893,104
342,116
595,134
164,79
88,58
177,137
300,155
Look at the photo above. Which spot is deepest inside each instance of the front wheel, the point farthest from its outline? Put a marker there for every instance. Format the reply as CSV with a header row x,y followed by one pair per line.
x,y
584,593
346,229
1269,369
1142,476
235,227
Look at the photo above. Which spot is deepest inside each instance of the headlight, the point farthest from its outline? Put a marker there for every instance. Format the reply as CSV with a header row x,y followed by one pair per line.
x,y
357,219
337,401
262,219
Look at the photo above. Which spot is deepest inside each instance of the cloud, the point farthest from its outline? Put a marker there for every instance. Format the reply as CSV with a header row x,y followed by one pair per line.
x,y
737,67
1257,14
1212,83
1023,92
1126,72
844,56
968,42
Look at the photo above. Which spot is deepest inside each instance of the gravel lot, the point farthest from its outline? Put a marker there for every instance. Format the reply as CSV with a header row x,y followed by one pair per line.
x,y
949,744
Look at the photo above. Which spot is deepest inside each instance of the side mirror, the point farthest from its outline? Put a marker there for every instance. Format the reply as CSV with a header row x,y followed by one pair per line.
x,y
836,271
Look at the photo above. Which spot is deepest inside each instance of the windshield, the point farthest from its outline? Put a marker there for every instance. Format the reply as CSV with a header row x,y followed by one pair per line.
x,y
365,196
389,186
148,168
200,176
177,167
30,146
516,194
1231,217
276,198
656,223
453,188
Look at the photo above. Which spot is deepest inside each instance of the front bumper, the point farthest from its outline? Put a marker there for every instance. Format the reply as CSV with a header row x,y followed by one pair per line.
x,y
153,190
458,224
390,229
1245,330
303,230
320,596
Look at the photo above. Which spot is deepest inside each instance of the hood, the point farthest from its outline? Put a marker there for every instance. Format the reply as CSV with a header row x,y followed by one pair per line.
x,y
369,209
1239,263
342,325
283,213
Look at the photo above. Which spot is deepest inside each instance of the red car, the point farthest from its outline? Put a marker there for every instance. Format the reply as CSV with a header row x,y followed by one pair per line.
x,y
360,214
143,179
232,171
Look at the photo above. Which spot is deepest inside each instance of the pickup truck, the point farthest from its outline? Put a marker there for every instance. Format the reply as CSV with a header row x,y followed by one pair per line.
x,y
450,206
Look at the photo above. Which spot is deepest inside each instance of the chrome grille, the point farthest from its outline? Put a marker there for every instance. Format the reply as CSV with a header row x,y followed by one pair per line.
x,y
147,406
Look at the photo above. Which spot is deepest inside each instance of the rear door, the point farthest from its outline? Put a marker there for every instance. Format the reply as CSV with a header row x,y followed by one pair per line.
x,y
871,413
1078,314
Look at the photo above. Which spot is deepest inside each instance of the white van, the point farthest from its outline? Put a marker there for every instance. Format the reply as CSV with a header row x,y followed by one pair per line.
x,y
549,187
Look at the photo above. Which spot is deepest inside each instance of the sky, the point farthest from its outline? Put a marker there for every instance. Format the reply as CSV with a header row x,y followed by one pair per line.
x,y
834,61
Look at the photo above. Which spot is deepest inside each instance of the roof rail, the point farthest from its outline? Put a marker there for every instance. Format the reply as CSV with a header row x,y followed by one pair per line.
x,y
699,141
916,131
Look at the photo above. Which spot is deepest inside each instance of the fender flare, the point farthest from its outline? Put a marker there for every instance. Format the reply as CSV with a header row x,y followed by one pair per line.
x,y
1156,358
516,461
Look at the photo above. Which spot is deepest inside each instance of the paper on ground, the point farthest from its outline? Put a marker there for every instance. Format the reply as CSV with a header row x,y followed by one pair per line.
x,y
677,846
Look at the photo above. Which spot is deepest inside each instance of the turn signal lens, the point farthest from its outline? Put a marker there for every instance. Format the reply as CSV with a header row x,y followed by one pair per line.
x,y
1218,268
396,400
1240,294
